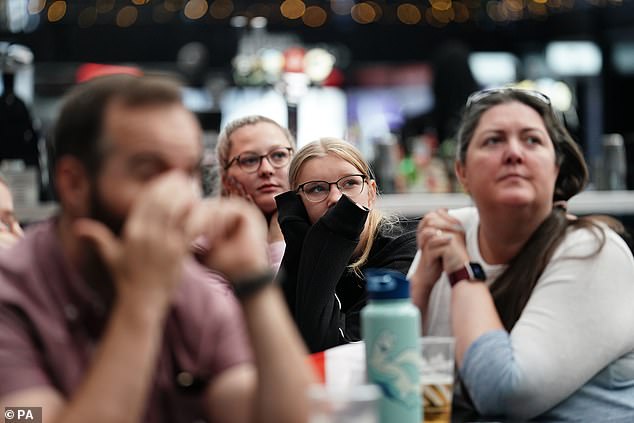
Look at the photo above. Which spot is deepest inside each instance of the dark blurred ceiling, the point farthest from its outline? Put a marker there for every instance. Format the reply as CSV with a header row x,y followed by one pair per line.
x,y
145,32
155,30
63,33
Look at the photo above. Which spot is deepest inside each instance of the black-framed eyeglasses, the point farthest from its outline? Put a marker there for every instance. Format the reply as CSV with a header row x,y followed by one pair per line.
x,y
250,162
318,191
478,96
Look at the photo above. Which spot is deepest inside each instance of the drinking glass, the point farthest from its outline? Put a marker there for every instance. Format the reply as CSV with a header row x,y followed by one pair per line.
x,y
437,377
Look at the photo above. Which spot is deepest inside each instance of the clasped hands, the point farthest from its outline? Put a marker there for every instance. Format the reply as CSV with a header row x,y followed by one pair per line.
x,y
441,241
161,226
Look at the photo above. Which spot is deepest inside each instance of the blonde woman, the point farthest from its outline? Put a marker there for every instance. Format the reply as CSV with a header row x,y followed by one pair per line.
x,y
254,153
333,233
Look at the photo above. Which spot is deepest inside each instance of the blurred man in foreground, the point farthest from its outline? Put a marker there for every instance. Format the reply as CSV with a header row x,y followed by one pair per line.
x,y
104,314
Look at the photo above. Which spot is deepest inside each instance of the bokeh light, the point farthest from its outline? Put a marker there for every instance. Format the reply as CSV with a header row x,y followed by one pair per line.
x,y
514,5
36,6
363,13
314,16
56,11
341,7
461,12
408,14
431,19
537,9
221,9
195,9
293,9
127,16
377,10
443,16
440,4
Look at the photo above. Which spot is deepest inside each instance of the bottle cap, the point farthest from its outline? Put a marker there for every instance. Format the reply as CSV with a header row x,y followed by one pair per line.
x,y
383,284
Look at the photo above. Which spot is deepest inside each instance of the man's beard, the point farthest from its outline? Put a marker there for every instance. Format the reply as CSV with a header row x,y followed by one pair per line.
x,y
95,270
100,212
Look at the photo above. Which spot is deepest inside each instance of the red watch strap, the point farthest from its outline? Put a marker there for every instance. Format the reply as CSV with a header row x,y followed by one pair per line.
x,y
459,275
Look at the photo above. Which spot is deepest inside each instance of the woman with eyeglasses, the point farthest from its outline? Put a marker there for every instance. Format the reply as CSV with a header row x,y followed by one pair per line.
x,y
539,301
333,233
254,153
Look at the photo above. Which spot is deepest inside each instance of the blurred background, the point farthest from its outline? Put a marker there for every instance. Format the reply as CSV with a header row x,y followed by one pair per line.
x,y
391,76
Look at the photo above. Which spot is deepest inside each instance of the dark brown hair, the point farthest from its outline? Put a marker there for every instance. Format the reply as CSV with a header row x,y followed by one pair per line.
x,y
512,289
79,125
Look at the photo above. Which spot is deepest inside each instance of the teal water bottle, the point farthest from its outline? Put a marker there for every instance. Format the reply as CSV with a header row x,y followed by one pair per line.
x,y
390,327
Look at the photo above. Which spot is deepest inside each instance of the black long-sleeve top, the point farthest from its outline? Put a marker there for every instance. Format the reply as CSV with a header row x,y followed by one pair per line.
x,y
324,296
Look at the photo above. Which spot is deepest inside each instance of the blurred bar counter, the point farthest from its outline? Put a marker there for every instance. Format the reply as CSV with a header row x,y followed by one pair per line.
x,y
32,214
616,203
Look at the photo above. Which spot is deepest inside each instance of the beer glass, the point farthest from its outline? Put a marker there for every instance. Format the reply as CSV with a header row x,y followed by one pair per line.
x,y
437,377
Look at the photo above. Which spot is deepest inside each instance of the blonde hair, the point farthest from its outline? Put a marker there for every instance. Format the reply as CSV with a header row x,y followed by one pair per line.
x,y
224,143
346,151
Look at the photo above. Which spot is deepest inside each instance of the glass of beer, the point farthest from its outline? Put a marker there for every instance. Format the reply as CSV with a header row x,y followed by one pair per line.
x,y
437,377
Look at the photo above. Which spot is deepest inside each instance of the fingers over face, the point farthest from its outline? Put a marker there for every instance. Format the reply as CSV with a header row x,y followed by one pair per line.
x,y
235,233
234,187
220,217
164,205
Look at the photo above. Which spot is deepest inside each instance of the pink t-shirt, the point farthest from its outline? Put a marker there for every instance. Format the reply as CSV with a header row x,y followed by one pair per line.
x,y
276,253
51,322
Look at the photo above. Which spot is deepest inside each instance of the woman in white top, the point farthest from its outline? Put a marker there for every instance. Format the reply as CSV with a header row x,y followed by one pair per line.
x,y
540,302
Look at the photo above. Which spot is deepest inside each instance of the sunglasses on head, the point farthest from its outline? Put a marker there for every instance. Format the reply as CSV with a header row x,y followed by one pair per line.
x,y
478,96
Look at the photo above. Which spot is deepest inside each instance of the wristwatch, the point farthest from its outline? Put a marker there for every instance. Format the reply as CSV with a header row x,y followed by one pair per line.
x,y
470,271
